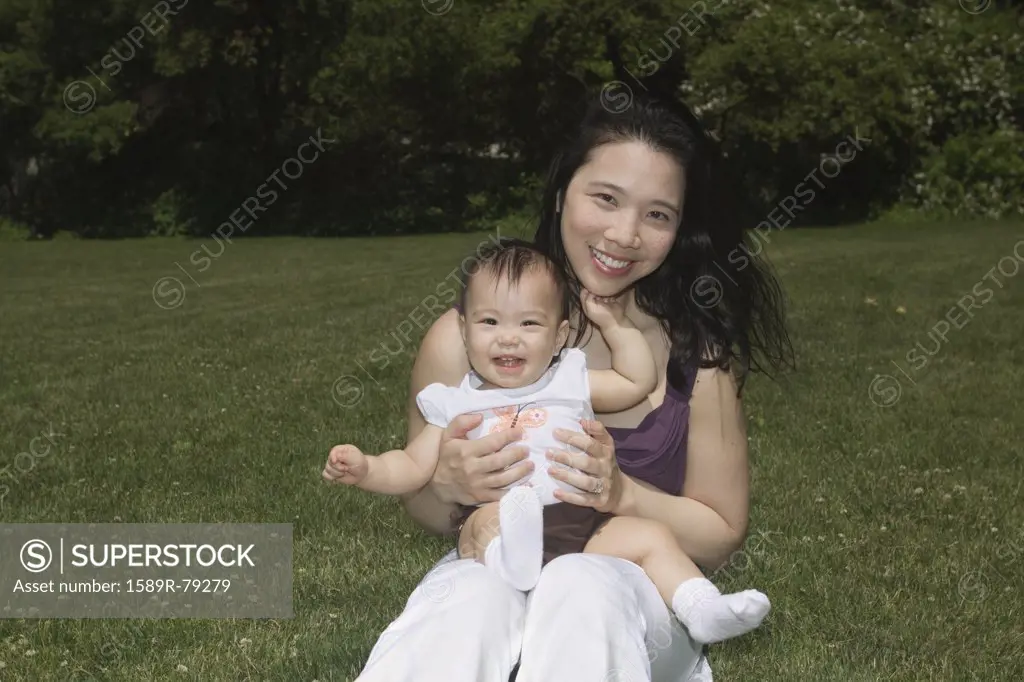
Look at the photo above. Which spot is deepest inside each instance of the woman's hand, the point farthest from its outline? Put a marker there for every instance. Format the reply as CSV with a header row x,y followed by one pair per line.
x,y
470,472
598,474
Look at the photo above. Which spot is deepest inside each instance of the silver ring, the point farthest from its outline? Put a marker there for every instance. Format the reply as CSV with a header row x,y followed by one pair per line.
x,y
600,487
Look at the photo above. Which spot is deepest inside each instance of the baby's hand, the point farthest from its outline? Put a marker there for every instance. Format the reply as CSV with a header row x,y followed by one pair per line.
x,y
604,312
346,464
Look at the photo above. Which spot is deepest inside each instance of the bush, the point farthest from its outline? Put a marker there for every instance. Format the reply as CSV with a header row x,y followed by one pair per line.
x,y
169,211
11,231
974,175
511,204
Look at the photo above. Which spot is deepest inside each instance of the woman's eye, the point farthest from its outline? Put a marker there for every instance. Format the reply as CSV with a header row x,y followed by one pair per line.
x,y
607,198
658,215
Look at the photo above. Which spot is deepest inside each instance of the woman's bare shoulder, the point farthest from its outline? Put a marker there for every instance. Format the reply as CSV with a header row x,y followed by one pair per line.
x,y
442,353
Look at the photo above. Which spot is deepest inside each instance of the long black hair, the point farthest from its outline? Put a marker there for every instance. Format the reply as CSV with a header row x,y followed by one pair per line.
x,y
720,305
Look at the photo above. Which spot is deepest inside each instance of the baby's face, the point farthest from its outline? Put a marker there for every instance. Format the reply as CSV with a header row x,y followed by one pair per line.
x,y
512,332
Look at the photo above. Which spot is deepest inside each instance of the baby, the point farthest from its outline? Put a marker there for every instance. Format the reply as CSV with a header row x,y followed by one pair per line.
x,y
514,321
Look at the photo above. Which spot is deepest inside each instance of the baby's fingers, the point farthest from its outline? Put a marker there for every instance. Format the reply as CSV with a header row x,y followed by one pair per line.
x,y
335,470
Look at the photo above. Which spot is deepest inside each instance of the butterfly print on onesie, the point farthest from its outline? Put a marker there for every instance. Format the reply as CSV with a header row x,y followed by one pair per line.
x,y
510,417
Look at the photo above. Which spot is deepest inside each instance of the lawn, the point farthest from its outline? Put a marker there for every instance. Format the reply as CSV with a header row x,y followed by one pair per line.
x,y
887,516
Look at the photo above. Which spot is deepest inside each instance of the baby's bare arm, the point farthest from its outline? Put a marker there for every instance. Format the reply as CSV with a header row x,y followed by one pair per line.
x,y
633,375
398,472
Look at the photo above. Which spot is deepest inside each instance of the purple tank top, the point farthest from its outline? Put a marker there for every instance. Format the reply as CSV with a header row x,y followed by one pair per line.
x,y
655,451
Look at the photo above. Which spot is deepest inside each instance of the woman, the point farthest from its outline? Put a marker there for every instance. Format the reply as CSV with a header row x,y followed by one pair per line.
x,y
636,205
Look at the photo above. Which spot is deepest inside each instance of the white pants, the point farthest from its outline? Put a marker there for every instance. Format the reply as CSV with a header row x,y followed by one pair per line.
x,y
590,618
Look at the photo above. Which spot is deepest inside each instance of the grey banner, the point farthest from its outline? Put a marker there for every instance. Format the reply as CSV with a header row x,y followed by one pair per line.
x,y
145,570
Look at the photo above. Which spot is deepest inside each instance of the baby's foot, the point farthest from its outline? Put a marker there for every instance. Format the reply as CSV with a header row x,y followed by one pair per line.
x,y
518,550
711,616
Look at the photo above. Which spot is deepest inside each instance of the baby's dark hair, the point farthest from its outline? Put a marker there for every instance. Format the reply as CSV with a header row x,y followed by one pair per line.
x,y
510,258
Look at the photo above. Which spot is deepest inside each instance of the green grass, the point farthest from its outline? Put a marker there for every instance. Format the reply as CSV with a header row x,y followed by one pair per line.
x,y
889,537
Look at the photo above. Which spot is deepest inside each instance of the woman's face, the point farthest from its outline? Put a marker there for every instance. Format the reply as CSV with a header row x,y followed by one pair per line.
x,y
620,215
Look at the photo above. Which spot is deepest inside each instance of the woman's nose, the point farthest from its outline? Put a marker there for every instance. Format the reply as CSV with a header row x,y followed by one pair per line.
x,y
624,233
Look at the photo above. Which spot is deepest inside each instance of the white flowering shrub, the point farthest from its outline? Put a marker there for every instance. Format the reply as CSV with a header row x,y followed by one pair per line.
x,y
968,91
974,175
938,91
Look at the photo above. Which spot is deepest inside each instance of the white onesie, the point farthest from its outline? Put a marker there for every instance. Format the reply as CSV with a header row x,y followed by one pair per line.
x,y
559,399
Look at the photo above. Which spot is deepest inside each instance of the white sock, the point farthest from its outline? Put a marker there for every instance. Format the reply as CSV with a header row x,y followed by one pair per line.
x,y
711,616
517,552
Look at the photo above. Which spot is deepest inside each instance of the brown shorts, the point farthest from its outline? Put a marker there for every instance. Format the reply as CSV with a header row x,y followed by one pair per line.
x,y
567,527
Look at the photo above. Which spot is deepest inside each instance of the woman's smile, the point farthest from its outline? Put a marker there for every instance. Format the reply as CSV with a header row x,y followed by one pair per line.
x,y
606,264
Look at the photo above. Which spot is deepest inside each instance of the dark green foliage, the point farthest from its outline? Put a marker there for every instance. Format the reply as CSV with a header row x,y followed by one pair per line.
x,y
135,117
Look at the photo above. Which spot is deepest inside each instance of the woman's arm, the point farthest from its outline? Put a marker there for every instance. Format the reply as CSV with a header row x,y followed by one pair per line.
x,y
468,472
710,519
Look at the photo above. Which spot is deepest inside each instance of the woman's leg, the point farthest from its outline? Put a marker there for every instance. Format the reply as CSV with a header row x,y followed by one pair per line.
x,y
597,618
462,624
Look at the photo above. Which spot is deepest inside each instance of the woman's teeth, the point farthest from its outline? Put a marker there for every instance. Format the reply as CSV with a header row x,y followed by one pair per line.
x,y
609,261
